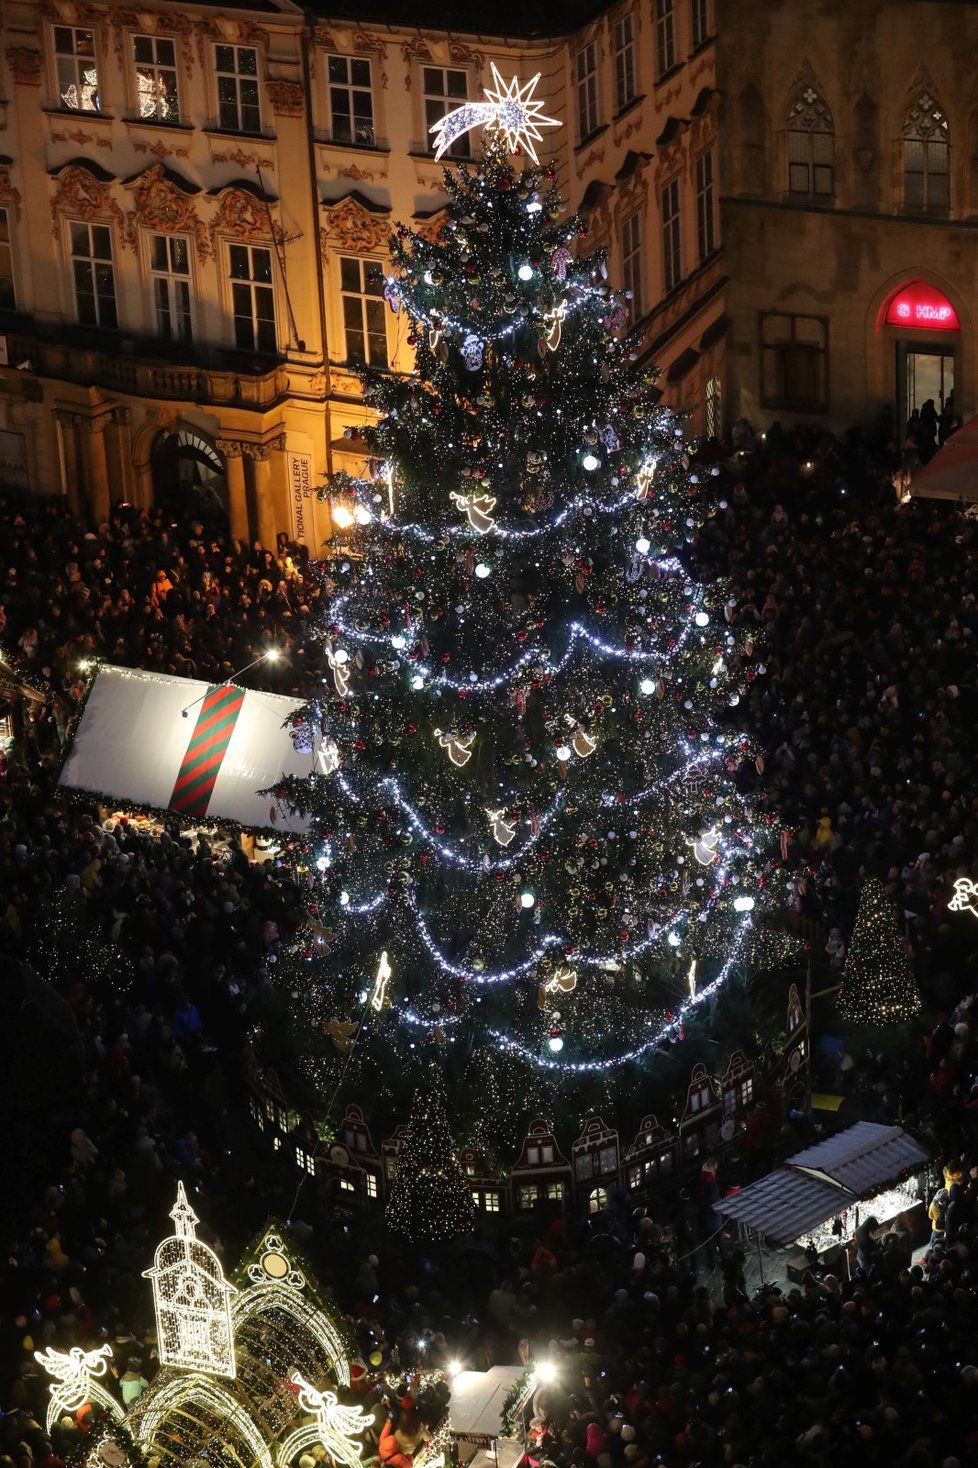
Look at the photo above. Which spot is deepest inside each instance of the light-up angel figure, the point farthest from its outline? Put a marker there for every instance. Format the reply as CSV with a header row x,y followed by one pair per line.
x,y
509,107
965,897
75,1374
335,1426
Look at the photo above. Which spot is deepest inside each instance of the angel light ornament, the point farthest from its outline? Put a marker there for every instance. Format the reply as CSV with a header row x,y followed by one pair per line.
x,y
342,1033
328,756
502,830
705,846
339,662
564,981
74,1382
335,1426
509,107
459,746
477,509
643,479
553,321
473,352
965,898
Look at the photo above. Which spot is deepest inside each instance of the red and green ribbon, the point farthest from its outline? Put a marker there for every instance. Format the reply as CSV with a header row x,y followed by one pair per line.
x,y
205,753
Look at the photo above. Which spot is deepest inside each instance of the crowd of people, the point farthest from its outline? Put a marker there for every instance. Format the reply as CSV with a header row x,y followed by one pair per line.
x,y
160,950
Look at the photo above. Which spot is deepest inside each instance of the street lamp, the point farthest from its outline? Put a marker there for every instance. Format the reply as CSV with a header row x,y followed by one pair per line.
x,y
271,655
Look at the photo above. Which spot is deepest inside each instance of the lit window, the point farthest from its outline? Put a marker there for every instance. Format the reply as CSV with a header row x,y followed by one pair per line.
x,y
714,408
634,1177
587,91
926,177
156,78
490,1202
672,260
252,298
811,147
346,1186
528,1196
8,298
276,1144
794,358
746,1091
665,36
238,104
300,1157
700,22
624,62
597,1200
444,89
555,1192
74,55
705,206
170,276
371,1185
93,274
351,104
364,319
631,262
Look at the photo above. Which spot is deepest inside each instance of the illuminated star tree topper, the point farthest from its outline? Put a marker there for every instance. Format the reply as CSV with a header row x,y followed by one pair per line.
x,y
509,107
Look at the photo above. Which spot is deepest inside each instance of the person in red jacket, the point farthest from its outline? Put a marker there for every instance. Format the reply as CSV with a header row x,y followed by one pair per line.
x,y
399,1443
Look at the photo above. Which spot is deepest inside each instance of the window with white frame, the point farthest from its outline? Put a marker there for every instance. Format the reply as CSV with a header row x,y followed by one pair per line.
x,y
351,100
672,258
665,36
157,96
169,271
364,317
714,407
624,62
699,22
8,295
443,89
490,1202
238,99
705,206
77,68
93,274
371,1185
586,71
252,298
631,263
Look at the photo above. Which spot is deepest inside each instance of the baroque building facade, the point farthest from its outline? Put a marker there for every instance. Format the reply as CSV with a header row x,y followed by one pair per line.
x,y
195,207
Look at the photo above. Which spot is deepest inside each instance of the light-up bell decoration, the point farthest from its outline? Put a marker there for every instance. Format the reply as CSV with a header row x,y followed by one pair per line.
x,y
509,108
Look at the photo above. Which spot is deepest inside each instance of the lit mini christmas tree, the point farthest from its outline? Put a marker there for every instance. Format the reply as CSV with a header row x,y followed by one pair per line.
x,y
878,985
429,1199
528,841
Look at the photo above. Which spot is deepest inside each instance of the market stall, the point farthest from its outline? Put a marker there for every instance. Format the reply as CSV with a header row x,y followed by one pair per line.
x,y
821,1194
478,1398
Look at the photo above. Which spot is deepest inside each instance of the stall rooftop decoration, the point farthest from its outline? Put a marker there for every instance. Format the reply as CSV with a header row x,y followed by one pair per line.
x,y
291,1352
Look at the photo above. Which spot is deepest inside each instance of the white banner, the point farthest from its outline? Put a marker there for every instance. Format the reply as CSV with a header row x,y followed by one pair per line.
x,y
300,476
132,744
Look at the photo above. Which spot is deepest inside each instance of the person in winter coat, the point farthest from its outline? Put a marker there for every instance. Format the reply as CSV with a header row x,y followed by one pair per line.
x,y
400,1441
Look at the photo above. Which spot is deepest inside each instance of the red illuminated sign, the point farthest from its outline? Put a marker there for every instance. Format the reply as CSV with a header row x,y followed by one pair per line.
x,y
921,306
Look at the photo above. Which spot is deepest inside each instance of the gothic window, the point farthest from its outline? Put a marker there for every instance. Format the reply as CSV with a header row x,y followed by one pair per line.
x,y
926,175
811,147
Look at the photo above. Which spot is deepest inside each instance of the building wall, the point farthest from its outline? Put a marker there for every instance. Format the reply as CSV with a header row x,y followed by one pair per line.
x,y
839,258
90,403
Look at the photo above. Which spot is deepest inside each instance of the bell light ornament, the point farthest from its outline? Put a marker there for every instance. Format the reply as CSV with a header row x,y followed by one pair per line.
x,y
192,1299
965,898
74,1381
510,108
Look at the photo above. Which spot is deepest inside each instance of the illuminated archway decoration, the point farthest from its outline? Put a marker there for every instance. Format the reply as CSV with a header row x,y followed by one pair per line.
x,y
335,1427
276,1283
182,1393
921,307
75,1383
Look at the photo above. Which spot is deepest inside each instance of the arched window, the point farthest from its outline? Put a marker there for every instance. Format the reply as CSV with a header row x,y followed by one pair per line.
x,y
811,147
926,178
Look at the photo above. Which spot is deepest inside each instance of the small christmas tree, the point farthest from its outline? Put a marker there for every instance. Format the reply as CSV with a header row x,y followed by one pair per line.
x,y
430,1200
878,984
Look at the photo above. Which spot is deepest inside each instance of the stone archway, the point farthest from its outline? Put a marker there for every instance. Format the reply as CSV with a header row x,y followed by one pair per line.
x,y
189,476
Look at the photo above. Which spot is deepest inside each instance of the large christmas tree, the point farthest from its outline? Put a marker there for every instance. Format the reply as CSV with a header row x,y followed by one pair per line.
x,y
429,1198
529,847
